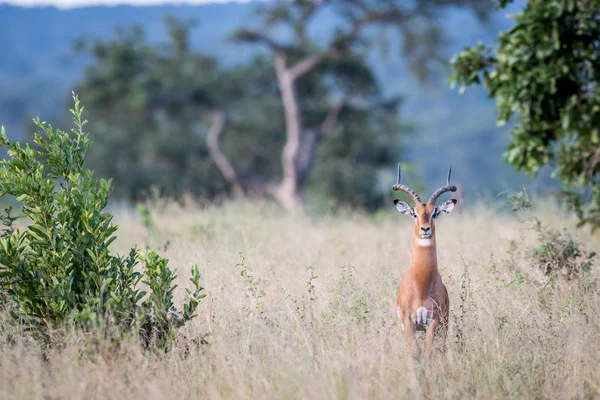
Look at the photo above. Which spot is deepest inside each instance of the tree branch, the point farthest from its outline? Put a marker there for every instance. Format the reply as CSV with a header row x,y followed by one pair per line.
x,y
311,137
307,152
332,116
250,36
215,132
305,65
334,48
368,17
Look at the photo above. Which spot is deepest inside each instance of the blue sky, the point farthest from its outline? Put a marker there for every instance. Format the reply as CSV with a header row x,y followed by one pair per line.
x,y
84,3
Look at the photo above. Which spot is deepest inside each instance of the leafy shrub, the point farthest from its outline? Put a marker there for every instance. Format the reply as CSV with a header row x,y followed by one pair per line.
x,y
58,271
350,301
559,254
520,201
254,286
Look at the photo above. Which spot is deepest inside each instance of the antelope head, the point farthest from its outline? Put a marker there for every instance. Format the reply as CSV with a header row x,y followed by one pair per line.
x,y
424,213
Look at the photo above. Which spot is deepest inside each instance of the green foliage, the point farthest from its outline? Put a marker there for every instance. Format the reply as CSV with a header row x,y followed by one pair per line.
x,y
144,213
254,286
350,303
173,91
164,89
58,271
310,286
559,254
546,70
158,317
520,201
350,160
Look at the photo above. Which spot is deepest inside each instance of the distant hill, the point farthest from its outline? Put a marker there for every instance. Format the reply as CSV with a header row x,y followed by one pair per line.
x,y
38,71
38,68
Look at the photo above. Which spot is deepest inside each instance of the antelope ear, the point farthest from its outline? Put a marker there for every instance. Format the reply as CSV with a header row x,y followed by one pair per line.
x,y
404,208
444,208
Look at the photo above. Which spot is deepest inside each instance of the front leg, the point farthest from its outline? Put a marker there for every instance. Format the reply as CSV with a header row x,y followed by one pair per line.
x,y
430,335
409,331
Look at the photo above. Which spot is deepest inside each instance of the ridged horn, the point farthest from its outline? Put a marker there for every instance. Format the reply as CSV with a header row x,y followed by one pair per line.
x,y
399,187
448,188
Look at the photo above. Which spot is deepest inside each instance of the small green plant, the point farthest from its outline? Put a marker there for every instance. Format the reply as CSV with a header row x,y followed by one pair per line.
x,y
144,213
520,201
310,286
559,254
350,299
58,272
302,305
158,318
254,286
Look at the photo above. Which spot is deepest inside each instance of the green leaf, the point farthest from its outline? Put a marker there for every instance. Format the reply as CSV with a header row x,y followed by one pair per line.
x,y
60,272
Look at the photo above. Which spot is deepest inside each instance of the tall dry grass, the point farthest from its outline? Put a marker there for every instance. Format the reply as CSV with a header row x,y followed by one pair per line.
x,y
274,333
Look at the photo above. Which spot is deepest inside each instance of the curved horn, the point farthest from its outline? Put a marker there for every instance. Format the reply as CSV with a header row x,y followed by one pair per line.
x,y
448,188
405,188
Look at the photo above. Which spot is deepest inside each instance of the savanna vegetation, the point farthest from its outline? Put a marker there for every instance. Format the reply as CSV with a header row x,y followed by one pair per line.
x,y
57,273
171,294
295,307
305,308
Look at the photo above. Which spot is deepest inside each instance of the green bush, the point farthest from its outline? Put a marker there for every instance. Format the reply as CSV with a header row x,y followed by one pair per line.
x,y
544,73
58,272
559,254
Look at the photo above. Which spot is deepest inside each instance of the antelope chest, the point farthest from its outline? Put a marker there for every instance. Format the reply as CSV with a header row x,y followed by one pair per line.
x,y
425,242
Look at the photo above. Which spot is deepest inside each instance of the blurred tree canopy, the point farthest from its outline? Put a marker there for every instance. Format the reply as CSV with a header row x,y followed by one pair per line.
x,y
338,59
546,69
146,102
158,105
306,118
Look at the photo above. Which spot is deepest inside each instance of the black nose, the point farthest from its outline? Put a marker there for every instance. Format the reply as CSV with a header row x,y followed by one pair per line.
x,y
425,229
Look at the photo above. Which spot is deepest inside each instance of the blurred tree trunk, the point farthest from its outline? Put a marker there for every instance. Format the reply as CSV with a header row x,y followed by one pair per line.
x,y
297,156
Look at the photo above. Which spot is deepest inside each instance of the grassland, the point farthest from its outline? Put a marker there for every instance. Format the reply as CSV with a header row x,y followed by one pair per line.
x,y
274,332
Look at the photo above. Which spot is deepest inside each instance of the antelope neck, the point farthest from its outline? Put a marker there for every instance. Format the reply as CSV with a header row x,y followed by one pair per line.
x,y
423,255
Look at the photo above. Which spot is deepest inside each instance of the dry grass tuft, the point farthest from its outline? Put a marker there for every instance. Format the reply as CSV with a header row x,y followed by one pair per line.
x,y
277,333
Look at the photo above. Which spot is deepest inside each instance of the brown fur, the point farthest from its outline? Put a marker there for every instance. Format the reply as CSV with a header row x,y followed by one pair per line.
x,y
422,286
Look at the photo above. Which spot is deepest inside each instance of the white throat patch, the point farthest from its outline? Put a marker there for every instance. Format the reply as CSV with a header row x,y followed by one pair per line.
x,y
425,242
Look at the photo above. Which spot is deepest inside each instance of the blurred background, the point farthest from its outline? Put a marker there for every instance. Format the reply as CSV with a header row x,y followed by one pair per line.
x,y
309,103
